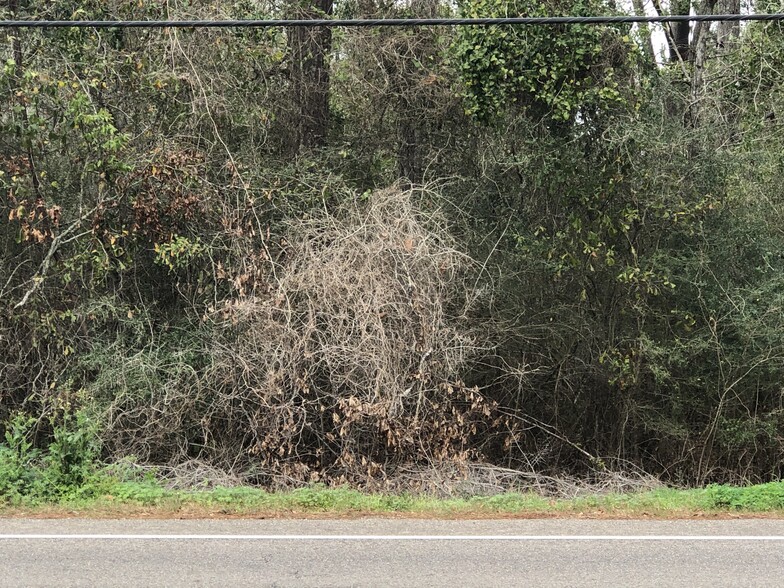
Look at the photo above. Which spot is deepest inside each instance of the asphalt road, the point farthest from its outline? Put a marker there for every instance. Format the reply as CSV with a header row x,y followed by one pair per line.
x,y
375,552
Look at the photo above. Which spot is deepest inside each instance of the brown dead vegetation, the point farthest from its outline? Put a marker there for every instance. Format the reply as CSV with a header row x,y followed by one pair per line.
x,y
341,365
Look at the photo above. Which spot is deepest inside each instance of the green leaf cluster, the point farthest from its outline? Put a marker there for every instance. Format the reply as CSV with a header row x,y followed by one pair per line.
x,y
67,467
554,73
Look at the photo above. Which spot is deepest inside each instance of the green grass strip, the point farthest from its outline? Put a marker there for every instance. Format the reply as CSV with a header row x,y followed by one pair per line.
x,y
119,497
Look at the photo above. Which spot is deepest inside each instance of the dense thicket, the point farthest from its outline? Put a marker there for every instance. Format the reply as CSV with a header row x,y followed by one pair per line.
x,y
339,256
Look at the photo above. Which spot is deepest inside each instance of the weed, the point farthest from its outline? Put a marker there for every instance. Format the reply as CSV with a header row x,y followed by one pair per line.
x,y
762,497
17,459
66,469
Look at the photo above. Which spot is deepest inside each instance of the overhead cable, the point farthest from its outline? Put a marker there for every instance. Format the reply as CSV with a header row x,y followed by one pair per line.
x,y
384,22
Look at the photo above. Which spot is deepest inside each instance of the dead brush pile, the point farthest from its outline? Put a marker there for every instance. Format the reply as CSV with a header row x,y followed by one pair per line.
x,y
349,365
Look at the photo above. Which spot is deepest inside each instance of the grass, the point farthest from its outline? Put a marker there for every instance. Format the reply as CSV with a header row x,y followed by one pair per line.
x,y
148,498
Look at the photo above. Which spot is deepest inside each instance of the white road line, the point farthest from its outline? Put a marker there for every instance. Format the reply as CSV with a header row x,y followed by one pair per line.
x,y
526,538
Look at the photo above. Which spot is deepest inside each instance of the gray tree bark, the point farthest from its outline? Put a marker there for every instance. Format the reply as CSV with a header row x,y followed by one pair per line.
x,y
309,49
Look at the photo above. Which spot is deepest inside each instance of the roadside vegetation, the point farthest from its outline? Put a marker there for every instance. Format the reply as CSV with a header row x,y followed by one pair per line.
x,y
503,267
45,486
106,496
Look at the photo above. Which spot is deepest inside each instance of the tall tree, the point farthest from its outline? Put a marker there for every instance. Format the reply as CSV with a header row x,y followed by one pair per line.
x,y
679,31
727,32
309,49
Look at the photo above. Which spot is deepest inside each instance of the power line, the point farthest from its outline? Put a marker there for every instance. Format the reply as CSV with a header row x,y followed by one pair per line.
x,y
383,22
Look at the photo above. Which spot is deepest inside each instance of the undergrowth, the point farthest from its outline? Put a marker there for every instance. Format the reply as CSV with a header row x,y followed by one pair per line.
x,y
68,473
105,492
67,469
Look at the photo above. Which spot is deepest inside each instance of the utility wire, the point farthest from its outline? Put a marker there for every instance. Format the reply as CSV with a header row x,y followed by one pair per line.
x,y
382,22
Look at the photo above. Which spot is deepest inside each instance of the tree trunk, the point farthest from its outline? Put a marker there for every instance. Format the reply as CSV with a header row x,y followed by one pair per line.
x,y
698,50
16,44
675,32
680,32
728,32
309,49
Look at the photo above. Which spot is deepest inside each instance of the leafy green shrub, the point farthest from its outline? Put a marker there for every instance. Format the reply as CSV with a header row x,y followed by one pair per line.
x,y
315,498
18,457
762,497
554,71
148,492
68,468
70,464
